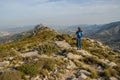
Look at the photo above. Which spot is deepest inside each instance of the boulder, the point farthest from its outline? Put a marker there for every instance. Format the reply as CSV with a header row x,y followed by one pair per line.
x,y
71,65
63,53
113,78
63,44
83,73
82,77
73,56
11,58
36,78
4,64
84,53
28,54
112,64
27,77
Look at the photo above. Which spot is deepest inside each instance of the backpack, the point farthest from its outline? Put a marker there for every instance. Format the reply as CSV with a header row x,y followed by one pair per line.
x,y
79,34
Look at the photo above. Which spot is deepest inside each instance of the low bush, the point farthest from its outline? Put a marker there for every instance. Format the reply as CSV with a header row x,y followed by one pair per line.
x,y
46,63
7,52
92,70
47,48
30,69
11,75
78,63
110,72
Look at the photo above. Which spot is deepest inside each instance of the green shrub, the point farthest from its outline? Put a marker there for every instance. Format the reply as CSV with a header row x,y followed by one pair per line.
x,y
44,72
30,69
59,75
107,73
93,73
47,48
78,63
92,70
4,53
7,52
46,63
70,39
93,60
11,75
85,44
33,68
110,72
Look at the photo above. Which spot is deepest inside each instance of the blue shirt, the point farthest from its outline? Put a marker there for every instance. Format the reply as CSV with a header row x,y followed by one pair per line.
x,y
79,34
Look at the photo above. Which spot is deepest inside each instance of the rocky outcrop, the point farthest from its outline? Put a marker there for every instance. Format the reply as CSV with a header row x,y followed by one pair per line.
x,y
28,54
60,61
63,44
4,64
108,62
73,56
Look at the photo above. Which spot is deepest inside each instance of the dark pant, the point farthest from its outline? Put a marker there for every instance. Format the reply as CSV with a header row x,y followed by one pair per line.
x,y
79,45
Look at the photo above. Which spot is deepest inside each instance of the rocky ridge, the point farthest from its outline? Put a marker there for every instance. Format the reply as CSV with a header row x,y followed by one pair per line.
x,y
48,55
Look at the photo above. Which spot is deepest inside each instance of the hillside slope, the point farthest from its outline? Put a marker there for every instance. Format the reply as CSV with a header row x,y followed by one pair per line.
x,y
110,34
48,55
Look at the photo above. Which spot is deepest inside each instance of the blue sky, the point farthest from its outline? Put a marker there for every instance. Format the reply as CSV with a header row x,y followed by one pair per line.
x,y
58,12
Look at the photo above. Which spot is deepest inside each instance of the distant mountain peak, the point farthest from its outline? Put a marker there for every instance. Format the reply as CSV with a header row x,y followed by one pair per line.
x,y
40,27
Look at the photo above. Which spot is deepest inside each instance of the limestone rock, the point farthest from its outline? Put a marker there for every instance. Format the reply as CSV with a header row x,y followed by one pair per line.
x,y
85,72
84,53
11,58
73,56
4,64
108,62
112,64
63,53
36,78
82,73
113,78
82,76
28,54
71,65
63,44
27,77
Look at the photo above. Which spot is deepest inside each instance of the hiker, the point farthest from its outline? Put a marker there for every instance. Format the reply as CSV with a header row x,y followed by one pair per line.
x,y
79,35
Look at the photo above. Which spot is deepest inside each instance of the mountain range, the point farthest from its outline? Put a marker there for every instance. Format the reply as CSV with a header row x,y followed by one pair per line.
x,y
107,33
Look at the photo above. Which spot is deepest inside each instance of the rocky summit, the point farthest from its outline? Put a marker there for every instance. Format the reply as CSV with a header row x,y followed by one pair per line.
x,y
45,54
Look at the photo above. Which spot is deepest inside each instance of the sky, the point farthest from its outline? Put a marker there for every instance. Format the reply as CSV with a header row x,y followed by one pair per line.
x,y
58,12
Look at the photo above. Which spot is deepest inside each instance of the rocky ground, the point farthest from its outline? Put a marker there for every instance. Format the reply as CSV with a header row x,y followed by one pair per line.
x,y
94,61
74,68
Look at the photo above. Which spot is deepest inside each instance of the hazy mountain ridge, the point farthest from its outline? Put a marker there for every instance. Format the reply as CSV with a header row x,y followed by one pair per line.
x,y
46,54
110,34
86,29
14,30
107,33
